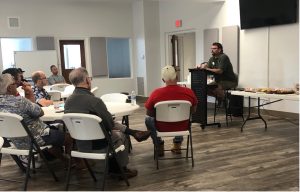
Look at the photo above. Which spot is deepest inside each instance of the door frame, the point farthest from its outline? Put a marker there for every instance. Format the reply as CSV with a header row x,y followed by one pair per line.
x,y
65,72
168,48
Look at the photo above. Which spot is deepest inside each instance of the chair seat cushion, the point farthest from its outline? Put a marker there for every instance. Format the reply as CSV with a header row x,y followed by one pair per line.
x,y
172,134
88,155
15,151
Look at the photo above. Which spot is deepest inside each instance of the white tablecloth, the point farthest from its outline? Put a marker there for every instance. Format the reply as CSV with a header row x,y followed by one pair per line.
x,y
292,97
116,109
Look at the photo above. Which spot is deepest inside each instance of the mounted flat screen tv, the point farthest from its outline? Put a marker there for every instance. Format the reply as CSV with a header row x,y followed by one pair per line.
x,y
260,13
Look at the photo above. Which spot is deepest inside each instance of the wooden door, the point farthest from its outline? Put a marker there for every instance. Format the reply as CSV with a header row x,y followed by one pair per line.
x,y
72,55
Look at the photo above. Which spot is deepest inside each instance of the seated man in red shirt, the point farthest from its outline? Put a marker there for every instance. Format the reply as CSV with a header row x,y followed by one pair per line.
x,y
171,91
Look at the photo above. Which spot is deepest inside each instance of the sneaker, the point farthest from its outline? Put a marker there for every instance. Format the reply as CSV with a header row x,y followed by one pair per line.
x,y
161,149
176,148
24,160
141,135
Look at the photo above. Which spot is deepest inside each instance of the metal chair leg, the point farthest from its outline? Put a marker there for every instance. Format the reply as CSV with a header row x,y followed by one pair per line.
x,y
90,170
68,175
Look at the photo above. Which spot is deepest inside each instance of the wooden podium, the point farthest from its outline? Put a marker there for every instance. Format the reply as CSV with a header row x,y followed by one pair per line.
x,y
199,86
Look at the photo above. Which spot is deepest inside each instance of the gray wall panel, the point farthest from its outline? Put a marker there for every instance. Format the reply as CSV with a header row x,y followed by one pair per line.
x,y
230,41
98,56
45,43
210,36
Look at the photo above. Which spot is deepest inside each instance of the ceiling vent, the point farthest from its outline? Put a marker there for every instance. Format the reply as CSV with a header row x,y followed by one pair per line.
x,y
13,22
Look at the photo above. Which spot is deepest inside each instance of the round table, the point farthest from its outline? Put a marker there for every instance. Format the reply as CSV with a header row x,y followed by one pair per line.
x,y
115,108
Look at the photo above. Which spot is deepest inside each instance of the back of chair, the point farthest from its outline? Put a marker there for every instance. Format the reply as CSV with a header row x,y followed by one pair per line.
x,y
59,87
55,95
11,125
83,126
114,97
47,88
93,90
1,144
172,111
69,89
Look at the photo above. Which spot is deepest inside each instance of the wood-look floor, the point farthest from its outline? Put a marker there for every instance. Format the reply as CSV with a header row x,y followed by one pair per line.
x,y
225,160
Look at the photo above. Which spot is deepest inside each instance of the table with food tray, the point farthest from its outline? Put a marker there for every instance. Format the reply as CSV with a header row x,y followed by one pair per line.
x,y
279,96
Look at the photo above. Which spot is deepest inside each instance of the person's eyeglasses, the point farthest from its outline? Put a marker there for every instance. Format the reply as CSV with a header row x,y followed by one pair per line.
x,y
43,78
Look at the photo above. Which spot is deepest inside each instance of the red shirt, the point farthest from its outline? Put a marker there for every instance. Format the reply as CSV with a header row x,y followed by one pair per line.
x,y
171,92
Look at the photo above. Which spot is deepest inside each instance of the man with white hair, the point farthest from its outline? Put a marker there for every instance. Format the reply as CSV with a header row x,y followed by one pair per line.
x,y
171,91
31,112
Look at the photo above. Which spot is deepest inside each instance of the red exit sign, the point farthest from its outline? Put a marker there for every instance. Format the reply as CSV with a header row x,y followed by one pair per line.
x,y
178,23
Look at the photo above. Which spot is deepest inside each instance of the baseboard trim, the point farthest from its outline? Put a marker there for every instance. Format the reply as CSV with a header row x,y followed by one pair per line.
x,y
282,114
141,99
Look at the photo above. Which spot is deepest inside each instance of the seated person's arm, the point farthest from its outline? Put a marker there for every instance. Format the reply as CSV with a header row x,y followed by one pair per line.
x,y
33,109
194,108
28,92
44,102
41,114
150,113
51,81
215,70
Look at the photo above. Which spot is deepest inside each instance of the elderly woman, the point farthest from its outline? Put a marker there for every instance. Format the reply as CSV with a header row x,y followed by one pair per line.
x,y
30,111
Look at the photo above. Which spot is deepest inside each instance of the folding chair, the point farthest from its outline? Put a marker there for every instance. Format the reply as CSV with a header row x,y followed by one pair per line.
x,y
1,142
59,87
114,97
69,89
89,127
12,126
121,98
55,95
93,90
174,111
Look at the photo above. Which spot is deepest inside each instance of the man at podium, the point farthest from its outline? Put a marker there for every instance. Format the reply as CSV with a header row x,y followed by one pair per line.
x,y
219,64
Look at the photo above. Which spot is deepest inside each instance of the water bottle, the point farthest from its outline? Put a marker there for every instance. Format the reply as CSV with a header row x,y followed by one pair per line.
x,y
133,98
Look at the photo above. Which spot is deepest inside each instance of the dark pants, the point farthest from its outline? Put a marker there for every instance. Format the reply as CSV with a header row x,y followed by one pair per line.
x,y
150,124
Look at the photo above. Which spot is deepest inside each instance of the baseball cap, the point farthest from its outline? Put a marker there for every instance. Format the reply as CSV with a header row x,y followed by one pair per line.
x,y
21,70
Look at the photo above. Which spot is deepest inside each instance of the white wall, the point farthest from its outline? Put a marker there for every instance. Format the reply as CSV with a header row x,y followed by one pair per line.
x,y
269,56
77,19
139,37
195,15
65,18
152,45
